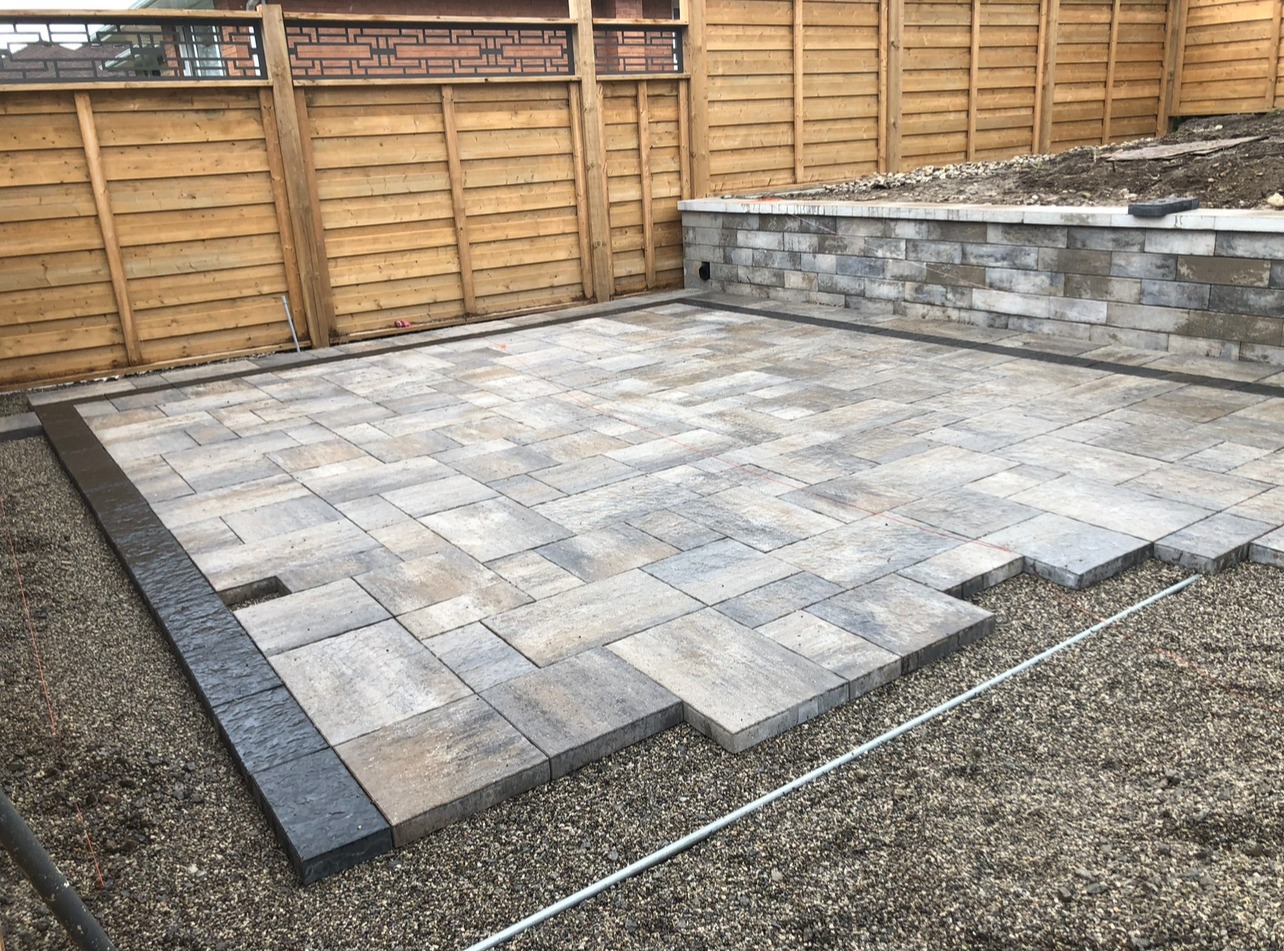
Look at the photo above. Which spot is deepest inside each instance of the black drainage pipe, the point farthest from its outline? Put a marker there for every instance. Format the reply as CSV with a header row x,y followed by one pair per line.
x,y
54,889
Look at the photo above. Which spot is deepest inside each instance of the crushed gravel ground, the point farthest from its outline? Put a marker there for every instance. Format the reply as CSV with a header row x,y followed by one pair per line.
x,y
1127,794
1242,176
13,403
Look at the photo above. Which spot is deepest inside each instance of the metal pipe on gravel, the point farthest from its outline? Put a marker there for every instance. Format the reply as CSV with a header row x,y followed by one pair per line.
x,y
55,891
706,831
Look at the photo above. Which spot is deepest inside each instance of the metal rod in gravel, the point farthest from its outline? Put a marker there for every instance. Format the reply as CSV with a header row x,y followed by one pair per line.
x,y
717,825
54,889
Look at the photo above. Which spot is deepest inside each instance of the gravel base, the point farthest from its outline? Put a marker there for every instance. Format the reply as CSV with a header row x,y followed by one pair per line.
x,y
11,404
1127,794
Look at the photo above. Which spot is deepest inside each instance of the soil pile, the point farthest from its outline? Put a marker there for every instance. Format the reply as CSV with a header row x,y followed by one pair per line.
x,y
1244,175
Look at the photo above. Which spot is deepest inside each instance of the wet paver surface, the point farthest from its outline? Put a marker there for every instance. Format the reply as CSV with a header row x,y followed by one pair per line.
x,y
496,558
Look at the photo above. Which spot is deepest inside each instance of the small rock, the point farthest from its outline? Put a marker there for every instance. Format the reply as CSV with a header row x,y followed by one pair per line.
x,y
1276,201
776,876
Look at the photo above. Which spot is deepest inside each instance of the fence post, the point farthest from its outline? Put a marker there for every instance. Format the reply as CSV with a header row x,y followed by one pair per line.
x,y
891,36
974,73
1046,83
1273,67
313,267
599,208
696,62
107,225
800,124
1174,56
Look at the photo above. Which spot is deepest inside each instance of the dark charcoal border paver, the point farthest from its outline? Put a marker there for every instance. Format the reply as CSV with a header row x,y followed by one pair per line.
x,y
324,819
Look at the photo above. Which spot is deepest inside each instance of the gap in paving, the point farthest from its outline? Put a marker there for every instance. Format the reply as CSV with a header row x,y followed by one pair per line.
x,y
461,570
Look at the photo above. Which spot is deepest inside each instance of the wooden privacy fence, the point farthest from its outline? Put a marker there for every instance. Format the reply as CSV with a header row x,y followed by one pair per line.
x,y
1230,58
172,185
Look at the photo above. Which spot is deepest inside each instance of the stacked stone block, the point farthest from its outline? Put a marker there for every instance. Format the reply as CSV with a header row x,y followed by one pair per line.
x,y
1209,283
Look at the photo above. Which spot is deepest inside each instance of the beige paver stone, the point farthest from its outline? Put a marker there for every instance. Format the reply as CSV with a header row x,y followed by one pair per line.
x,y
433,769
737,686
353,683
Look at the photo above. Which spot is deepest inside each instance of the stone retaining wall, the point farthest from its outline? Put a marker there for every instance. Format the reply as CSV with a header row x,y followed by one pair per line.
x,y
1203,282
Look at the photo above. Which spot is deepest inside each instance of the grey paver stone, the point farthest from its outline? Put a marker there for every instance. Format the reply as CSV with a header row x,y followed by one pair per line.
x,y
1115,507
778,598
584,708
1213,545
737,686
495,528
294,620
757,520
606,551
963,571
965,512
473,605
719,570
534,574
372,512
913,621
580,475
864,550
439,495
861,663
478,657
281,518
1269,549
431,579
433,769
590,616
353,683
1071,553
1209,490
673,529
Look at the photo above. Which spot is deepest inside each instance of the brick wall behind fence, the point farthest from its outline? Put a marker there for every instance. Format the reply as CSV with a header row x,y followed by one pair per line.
x,y
1208,282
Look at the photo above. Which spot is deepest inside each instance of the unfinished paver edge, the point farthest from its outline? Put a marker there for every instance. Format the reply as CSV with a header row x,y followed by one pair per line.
x,y
203,633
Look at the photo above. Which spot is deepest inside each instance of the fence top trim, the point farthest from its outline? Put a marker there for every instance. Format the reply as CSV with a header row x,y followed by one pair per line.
x,y
128,16
425,20
1209,219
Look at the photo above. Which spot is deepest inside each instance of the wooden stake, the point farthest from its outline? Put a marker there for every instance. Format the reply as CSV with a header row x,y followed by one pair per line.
x,y
974,74
644,158
300,184
107,225
800,159
281,202
599,207
581,201
457,199
1109,103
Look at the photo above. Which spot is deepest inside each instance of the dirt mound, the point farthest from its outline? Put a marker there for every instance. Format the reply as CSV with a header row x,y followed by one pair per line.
x,y
1243,175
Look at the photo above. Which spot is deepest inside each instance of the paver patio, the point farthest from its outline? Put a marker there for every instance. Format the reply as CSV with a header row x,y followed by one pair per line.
x,y
506,555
